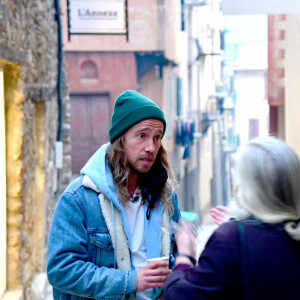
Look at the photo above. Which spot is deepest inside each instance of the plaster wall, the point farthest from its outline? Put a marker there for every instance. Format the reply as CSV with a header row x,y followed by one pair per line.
x,y
172,30
292,75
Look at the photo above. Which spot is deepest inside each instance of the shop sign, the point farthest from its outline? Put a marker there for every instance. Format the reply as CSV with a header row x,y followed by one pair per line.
x,y
97,17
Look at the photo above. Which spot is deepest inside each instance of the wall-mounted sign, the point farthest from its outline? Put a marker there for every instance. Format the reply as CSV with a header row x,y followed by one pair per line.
x,y
97,17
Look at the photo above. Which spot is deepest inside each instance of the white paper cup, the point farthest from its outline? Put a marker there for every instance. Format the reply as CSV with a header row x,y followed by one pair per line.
x,y
162,258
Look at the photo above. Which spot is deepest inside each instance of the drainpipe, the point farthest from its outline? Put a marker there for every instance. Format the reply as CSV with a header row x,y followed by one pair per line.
x,y
59,143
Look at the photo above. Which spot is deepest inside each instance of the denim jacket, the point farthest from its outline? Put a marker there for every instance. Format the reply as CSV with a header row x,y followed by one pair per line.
x,y
89,242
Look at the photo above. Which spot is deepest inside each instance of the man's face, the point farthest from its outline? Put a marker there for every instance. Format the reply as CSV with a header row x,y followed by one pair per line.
x,y
141,144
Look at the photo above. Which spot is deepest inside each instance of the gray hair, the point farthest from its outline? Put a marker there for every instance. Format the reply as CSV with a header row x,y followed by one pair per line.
x,y
268,181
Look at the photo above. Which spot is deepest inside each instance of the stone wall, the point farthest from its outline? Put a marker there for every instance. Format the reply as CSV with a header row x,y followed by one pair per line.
x,y
28,57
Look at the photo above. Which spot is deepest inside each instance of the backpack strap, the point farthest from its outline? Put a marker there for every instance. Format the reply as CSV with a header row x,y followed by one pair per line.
x,y
244,256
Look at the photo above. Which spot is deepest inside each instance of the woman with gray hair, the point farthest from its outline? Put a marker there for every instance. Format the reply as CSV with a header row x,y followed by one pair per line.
x,y
256,254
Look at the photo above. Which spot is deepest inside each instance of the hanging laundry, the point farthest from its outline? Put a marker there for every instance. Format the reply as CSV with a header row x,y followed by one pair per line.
x,y
185,139
191,132
178,132
185,136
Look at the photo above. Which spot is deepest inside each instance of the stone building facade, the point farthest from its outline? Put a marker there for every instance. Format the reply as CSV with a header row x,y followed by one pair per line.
x,y
32,104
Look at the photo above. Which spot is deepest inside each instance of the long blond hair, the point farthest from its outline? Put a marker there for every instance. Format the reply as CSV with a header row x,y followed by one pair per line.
x,y
120,168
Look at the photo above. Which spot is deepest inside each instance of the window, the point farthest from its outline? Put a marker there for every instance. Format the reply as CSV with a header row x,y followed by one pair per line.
x,y
88,71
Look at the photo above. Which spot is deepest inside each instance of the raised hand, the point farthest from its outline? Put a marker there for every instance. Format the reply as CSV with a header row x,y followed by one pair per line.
x,y
186,237
220,214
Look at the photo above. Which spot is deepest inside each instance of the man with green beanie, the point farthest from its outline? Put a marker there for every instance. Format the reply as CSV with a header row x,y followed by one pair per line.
x,y
118,214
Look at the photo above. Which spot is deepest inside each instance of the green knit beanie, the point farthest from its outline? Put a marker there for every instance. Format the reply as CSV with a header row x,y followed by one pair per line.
x,y
131,108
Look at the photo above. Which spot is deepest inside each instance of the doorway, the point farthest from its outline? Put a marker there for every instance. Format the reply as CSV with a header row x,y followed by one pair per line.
x,y
90,123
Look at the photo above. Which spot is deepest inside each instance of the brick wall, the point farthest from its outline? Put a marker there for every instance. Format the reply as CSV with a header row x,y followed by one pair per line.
x,y
276,56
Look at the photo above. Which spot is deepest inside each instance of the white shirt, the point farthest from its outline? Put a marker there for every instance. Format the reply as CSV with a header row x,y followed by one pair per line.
x,y
135,215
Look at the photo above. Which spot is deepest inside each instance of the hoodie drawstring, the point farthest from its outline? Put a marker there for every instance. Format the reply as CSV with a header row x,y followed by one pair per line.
x,y
115,234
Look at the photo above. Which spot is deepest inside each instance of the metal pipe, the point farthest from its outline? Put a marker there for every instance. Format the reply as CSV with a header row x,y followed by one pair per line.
x,y
58,86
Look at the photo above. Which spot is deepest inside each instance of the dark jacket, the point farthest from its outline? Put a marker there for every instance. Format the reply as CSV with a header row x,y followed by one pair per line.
x,y
272,264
